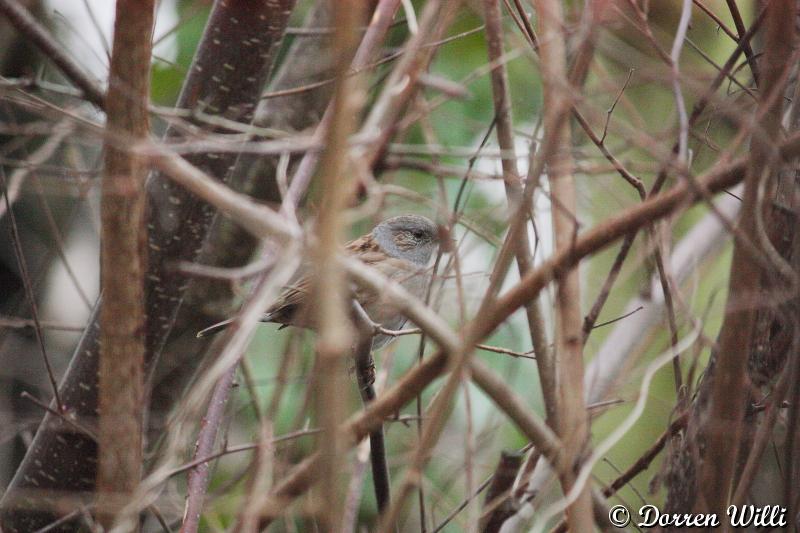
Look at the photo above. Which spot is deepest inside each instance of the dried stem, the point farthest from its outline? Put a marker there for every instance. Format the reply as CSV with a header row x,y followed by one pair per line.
x,y
335,333
729,388
572,417
123,263
198,478
519,204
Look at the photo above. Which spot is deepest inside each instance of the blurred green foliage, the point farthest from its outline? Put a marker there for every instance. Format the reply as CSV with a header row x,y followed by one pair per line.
x,y
647,114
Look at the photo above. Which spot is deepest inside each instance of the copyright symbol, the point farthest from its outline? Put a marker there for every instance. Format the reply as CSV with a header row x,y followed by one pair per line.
x,y
619,516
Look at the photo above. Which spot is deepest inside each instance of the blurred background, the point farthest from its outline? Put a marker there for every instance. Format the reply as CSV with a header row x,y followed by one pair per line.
x,y
443,161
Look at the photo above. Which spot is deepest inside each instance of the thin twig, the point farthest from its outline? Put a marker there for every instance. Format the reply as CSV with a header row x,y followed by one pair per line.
x,y
240,448
506,351
198,478
367,49
64,416
27,25
26,280
610,110
17,322
748,50
621,317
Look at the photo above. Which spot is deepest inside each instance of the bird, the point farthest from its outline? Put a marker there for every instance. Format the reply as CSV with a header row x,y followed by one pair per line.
x,y
399,247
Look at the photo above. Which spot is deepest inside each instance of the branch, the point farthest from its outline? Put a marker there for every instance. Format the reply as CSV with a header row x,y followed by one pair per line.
x,y
572,418
225,79
729,392
266,223
329,285
402,82
198,478
123,263
367,50
518,202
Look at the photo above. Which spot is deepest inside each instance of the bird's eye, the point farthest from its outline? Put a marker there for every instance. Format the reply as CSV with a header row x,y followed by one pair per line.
x,y
417,234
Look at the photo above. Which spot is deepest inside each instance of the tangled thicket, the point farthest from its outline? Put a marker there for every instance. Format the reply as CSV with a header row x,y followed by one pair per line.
x,y
612,317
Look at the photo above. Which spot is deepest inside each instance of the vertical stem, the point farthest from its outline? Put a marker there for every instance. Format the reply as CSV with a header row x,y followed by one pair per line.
x,y
517,201
198,477
572,422
729,389
122,318
226,79
330,291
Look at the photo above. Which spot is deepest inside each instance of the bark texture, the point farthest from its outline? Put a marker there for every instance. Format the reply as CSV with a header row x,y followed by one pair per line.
x,y
705,465
226,78
123,260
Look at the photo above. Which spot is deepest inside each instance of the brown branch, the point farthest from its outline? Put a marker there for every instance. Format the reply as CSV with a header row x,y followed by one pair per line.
x,y
376,33
335,333
705,9
729,391
740,29
197,482
265,222
225,79
572,417
518,202
123,263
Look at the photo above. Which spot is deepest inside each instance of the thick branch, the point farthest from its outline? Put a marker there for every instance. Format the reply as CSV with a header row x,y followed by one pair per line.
x,y
729,392
122,318
225,79
518,202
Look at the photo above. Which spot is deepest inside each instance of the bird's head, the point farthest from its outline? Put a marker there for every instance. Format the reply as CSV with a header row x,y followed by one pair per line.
x,y
410,237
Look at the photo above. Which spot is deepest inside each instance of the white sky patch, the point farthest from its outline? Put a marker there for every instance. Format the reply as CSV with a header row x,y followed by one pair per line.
x,y
86,35
85,40
495,192
479,256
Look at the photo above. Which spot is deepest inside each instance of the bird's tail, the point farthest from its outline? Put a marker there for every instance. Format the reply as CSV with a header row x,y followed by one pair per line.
x,y
214,328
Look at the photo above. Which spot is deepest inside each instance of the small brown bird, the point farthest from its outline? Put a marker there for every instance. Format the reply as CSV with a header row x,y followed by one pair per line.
x,y
400,248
